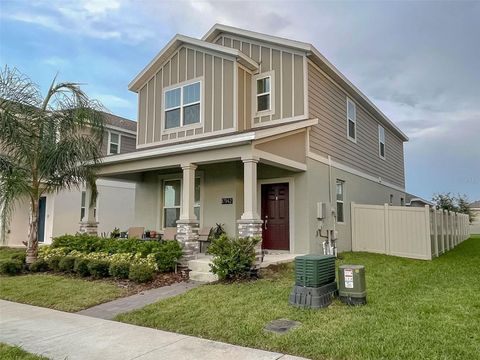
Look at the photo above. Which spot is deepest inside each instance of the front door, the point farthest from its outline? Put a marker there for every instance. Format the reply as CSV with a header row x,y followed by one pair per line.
x,y
275,210
42,205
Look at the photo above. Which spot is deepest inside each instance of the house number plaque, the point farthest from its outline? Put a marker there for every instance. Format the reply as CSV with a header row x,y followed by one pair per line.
x,y
227,201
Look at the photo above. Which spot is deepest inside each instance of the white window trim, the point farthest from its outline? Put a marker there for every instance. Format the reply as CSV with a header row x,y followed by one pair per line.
x,y
380,129
340,201
353,139
181,86
271,110
110,141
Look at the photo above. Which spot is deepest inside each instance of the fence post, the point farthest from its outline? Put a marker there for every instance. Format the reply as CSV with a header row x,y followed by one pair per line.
x,y
442,229
352,223
447,237
387,229
428,234
435,231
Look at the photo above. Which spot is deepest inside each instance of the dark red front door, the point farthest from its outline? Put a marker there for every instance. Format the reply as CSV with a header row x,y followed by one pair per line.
x,y
275,217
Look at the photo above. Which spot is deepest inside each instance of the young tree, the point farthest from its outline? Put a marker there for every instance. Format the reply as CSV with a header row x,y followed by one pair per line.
x,y
46,144
459,204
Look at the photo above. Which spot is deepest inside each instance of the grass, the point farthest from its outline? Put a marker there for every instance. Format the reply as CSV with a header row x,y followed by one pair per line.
x,y
57,291
8,352
416,310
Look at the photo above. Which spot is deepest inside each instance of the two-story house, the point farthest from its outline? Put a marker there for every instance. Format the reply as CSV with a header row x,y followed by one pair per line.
x,y
60,213
253,131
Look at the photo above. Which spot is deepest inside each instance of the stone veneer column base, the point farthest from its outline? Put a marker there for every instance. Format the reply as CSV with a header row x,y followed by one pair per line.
x,y
252,228
90,228
187,236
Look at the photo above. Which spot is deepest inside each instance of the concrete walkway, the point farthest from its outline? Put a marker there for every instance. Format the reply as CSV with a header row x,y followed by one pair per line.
x,y
112,308
60,335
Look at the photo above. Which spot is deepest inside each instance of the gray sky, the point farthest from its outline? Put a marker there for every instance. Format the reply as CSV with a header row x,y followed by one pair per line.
x,y
417,61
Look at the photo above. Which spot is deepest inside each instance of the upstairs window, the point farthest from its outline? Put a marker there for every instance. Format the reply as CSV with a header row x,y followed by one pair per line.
x,y
351,120
182,106
381,142
113,143
264,94
340,200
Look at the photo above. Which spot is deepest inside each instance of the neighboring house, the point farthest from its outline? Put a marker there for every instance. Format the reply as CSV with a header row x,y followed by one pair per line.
x,y
416,201
253,131
60,213
475,225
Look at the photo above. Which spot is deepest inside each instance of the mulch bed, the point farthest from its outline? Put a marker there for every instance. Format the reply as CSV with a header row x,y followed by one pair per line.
x,y
160,280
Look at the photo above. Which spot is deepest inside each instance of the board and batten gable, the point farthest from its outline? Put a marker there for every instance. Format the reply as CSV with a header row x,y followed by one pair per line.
x,y
328,102
217,74
288,69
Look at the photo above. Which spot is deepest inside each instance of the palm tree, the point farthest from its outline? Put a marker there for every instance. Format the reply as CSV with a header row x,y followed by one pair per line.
x,y
46,144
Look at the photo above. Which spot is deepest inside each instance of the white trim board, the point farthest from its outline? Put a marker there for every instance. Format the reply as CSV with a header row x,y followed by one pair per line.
x,y
353,171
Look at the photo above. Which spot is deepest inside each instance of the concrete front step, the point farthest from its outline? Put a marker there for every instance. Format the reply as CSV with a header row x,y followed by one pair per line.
x,y
200,265
200,276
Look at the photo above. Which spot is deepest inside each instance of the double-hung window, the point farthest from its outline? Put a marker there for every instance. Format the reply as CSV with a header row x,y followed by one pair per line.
x,y
340,200
182,106
172,193
381,142
83,208
264,93
351,120
113,143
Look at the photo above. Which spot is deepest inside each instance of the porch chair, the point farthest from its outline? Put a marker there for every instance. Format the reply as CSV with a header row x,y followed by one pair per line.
x,y
204,237
136,232
169,233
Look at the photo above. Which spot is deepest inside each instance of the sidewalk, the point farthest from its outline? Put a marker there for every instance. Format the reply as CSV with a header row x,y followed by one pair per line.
x,y
60,335
111,309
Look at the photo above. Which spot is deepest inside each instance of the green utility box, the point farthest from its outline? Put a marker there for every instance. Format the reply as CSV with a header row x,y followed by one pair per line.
x,y
352,288
314,270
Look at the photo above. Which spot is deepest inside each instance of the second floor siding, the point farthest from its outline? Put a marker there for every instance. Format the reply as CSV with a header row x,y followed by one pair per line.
x,y
188,65
328,103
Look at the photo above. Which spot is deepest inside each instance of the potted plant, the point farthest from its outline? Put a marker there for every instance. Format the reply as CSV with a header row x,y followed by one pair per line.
x,y
115,234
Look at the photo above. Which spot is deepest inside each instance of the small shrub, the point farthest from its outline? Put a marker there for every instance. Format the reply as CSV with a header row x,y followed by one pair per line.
x,y
141,273
119,269
168,256
98,268
81,267
38,265
233,258
22,257
11,267
66,264
53,263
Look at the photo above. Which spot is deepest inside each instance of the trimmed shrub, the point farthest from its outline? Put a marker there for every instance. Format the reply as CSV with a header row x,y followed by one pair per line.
x,y
66,264
98,268
53,263
22,257
81,267
38,265
141,273
11,267
168,256
233,258
119,269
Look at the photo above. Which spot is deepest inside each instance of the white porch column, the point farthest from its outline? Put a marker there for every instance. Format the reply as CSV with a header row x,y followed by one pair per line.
x,y
89,223
250,224
187,225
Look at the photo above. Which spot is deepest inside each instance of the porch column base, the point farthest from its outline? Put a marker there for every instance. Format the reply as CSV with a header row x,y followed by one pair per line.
x,y
90,228
187,236
252,228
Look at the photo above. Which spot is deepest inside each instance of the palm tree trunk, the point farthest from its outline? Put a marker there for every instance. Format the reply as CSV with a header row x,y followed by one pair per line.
x,y
32,246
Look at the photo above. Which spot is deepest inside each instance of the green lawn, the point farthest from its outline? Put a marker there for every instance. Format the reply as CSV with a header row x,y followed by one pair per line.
x,y
57,291
8,352
416,310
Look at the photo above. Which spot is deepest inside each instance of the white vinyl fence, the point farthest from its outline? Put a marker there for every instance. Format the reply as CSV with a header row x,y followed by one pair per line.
x,y
411,232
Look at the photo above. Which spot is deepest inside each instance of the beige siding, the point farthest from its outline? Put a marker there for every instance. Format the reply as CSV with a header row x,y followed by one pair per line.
x,y
327,102
288,77
127,144
218,113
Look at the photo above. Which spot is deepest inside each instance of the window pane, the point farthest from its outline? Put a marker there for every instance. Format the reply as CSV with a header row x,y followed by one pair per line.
x,y
263,102
351,110
382,150
172,98
191,93
172,193
340,190
351,129
82,213
172,119
339,212
381,134
84,196
263,85
191,114
196,210
114,138
113,149
197,191
170,217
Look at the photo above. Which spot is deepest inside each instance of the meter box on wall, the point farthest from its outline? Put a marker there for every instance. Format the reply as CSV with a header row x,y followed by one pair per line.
x,y
351,284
